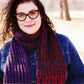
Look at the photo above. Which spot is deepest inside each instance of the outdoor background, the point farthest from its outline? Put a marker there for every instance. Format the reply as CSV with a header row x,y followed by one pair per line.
x,y
73,29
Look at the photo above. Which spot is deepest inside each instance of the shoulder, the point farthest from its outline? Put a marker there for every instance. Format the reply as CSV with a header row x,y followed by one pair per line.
x,y
66,44
62,37
63,40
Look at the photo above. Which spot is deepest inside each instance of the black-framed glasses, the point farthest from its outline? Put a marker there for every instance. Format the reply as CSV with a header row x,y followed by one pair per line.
x,y
33,14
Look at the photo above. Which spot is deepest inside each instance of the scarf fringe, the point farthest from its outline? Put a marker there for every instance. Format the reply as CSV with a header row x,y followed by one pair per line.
x,y
52,80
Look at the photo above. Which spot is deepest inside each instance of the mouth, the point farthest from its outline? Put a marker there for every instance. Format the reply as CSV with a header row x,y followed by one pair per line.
x,y
31,25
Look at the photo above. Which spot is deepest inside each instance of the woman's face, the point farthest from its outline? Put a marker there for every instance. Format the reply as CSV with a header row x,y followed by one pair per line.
x,y
31,24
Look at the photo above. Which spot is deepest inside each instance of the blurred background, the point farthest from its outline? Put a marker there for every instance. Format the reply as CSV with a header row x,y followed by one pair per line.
x,y
68,19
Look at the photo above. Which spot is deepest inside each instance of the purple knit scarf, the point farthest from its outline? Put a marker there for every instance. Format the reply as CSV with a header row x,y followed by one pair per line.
x,y
17,66
51,67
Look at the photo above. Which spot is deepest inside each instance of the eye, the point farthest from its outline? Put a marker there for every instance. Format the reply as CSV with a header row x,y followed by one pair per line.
x,y
20,15
33,13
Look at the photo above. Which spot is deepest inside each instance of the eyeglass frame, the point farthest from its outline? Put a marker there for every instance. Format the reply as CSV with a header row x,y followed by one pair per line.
x,y
27,15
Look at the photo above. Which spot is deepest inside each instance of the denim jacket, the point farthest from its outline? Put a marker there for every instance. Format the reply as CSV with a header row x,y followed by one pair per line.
x,y
75,67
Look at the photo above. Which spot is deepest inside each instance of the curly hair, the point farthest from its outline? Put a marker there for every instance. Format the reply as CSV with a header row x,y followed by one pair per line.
x,y
9,20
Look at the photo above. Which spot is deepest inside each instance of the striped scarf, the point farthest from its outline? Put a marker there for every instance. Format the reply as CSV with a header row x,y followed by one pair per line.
x,y
51,67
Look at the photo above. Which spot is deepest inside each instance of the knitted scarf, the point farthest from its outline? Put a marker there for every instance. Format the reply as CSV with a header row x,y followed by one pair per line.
x,y
51,67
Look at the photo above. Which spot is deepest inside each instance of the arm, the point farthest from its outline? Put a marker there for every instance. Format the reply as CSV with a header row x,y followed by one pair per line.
x,y
3,55
75,67
1,73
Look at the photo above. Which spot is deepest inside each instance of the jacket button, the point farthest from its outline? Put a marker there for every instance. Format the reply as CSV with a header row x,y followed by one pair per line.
x,y
33,81
33,63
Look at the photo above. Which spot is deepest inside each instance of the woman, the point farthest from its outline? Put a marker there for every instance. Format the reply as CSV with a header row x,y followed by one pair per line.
x,y
36,54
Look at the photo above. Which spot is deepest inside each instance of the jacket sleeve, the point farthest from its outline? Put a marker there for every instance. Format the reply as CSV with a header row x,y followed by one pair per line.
x,y
3,56
1,73
75,67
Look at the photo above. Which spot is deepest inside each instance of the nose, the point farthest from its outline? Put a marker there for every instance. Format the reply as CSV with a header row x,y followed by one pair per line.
x,y
27,19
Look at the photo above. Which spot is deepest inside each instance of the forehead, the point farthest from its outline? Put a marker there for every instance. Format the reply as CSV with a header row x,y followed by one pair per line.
x,y
26,7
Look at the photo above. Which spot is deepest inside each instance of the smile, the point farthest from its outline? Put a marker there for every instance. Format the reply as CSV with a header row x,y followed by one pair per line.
x,y
29,25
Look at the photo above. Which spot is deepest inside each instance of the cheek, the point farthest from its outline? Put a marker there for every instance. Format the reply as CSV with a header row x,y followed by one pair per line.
x,y
39,21
20,24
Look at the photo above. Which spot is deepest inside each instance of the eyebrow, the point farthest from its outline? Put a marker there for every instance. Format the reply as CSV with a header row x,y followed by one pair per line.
x,y
28,12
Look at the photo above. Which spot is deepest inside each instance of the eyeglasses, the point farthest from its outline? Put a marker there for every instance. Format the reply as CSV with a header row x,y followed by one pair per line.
x,y
33,14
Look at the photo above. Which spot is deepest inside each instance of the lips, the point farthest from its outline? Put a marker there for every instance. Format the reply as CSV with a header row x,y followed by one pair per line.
x,y
29,25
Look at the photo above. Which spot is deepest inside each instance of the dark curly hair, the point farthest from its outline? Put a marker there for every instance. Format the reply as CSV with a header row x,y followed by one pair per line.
x,y
10,21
